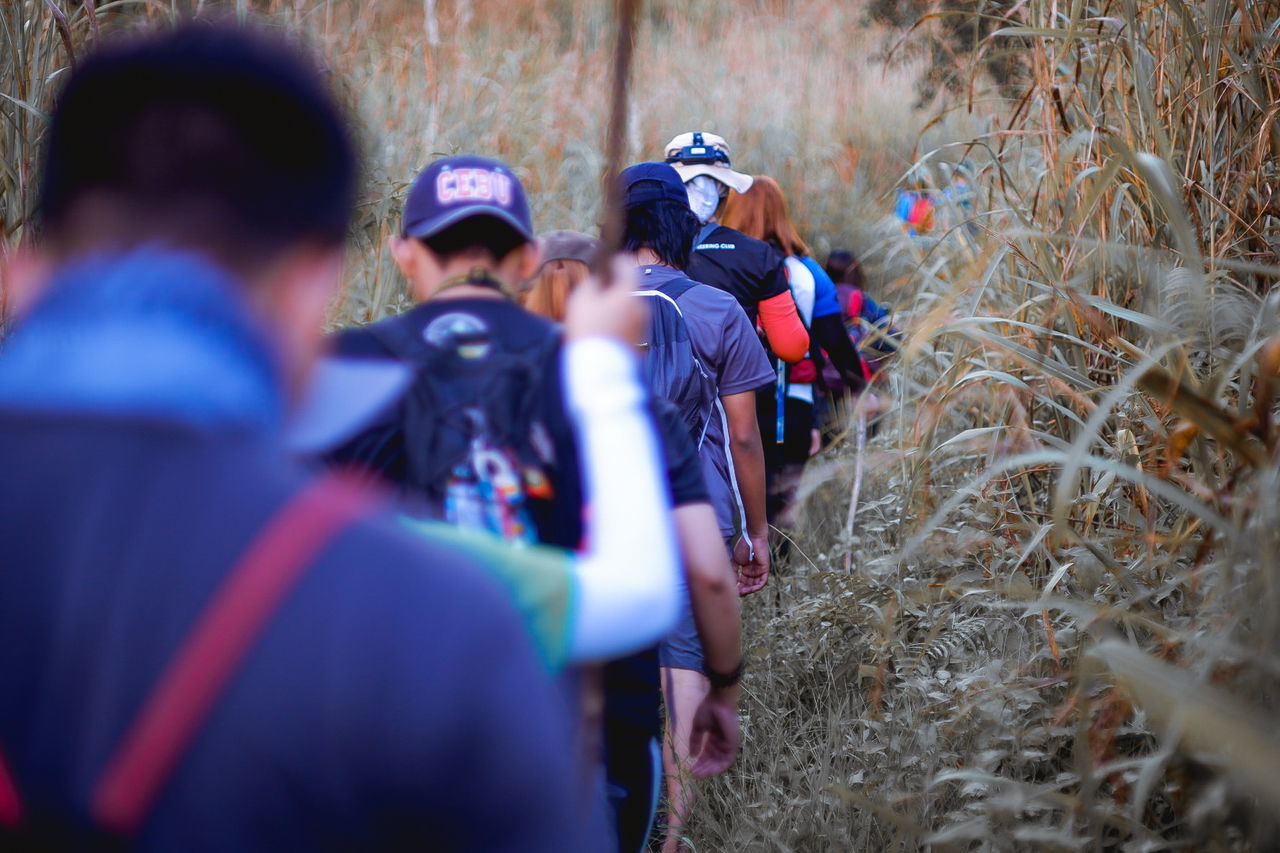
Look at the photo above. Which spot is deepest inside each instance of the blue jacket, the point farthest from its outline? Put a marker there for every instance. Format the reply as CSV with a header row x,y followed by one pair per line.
x,y
393,699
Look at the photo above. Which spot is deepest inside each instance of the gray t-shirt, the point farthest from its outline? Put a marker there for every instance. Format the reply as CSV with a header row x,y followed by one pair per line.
x,y
730,350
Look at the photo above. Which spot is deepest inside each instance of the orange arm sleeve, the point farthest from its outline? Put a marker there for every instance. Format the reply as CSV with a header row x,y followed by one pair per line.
x,y
787,335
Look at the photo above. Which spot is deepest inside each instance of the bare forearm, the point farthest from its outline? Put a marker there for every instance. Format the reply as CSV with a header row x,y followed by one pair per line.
x,y
748,467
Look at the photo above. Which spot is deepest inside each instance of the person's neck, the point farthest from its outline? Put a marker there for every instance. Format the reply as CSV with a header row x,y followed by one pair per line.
x,y
646,257
465,278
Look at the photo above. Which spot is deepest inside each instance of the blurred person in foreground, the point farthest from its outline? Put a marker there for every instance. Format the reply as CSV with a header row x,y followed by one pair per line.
x,y
208,648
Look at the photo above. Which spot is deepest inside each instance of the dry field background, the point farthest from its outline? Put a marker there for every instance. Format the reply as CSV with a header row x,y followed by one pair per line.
x,y
1060,624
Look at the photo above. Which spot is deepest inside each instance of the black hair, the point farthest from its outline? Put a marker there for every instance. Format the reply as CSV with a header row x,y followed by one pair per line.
x,y
210,136
844,268
476,233
665,227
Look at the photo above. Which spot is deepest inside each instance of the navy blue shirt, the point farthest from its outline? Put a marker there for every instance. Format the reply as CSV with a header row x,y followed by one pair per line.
x,y
393,698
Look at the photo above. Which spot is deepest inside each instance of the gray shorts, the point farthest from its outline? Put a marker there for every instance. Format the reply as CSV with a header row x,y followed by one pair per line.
x,y
682,649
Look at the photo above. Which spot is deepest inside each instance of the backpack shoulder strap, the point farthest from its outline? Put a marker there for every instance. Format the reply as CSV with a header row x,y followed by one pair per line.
x,y
855,303
203,665
678,287
658,294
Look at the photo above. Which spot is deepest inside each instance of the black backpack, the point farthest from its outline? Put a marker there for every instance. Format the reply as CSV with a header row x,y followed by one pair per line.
x,y
672,365
476,449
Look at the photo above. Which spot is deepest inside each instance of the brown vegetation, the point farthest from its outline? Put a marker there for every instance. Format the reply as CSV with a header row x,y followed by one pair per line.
x,y
1062,625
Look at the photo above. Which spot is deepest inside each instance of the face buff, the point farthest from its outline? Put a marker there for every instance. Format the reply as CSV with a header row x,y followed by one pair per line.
x,y
704,196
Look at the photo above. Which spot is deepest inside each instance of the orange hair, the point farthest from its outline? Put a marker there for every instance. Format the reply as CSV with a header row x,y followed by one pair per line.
x,y
549,290
761,212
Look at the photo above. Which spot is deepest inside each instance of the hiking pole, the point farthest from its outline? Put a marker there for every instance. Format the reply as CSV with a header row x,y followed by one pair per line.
x,y
857,486
614,221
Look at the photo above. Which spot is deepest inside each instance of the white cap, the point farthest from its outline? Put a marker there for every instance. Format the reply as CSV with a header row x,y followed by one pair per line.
x,y
716,165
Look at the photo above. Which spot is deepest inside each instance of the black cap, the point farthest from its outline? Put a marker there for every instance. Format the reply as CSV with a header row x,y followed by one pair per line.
x,y
456,188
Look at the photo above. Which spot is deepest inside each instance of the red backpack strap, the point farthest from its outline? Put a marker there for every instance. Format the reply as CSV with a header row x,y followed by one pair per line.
x,y
210,654
854,309
10,802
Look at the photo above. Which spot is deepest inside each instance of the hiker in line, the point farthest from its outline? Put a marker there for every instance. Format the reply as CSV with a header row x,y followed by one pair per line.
x,y
762,212
869,324
871,329
712,589
725,258
748,268
566,259
482,440
632,724
720,415
210,647
611,597
916,206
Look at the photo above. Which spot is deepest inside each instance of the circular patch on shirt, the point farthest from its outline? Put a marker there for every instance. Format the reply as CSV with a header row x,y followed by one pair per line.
x,y
457,330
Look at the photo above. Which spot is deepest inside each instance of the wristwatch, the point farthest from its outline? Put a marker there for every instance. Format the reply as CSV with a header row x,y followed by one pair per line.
x,y
721,680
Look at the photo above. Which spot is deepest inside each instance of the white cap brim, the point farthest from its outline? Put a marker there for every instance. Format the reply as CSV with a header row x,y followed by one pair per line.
x,y
735,181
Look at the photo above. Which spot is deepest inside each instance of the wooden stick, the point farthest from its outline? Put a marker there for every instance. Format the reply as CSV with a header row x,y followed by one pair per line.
x,y
857,487
611,236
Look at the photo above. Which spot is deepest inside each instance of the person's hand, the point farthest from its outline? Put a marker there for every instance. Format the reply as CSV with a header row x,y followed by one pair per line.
x,y
595,311
815,441
751,558
714,735
869,404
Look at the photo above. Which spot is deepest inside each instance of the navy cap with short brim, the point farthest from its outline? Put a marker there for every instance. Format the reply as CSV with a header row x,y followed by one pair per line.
x,y
453,189
646,182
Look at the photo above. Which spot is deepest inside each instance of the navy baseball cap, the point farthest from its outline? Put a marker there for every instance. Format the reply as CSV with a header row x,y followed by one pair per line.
x,y
456,188
664,184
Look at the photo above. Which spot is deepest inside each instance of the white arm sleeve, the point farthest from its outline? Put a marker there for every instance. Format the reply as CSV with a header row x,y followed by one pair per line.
x,y
629,576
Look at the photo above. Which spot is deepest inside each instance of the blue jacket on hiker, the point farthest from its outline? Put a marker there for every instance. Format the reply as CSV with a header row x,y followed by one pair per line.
x,y
393,698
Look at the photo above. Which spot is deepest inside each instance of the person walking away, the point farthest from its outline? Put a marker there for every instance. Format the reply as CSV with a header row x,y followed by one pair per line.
x,y
788,417
660,229
871,329
483,440
870,324
566,259
723,257
614,595
211,647
632,686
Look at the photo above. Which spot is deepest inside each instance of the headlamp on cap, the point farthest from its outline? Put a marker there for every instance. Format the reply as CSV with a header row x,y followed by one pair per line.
x,y
699,153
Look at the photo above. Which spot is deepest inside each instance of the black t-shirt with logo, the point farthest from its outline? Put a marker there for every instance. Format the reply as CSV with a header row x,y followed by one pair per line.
x,y
749,269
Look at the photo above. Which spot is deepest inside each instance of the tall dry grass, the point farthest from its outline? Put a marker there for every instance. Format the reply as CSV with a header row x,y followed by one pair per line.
x,y
1060,630
797,88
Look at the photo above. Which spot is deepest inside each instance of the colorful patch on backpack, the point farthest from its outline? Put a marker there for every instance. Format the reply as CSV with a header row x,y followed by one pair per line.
x,y
536,484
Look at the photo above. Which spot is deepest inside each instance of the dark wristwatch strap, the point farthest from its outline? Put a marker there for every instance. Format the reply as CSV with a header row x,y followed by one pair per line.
x,y
721,680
